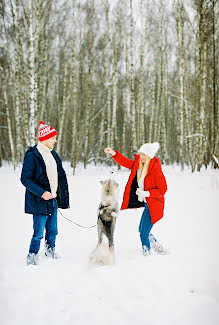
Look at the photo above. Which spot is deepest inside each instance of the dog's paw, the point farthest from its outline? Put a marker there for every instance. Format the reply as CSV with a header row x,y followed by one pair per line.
x,y
92,259
110,259
102,255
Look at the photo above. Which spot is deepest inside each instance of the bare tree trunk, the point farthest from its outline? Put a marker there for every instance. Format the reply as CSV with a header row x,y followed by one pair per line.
x,y
154,108
32,90
163,132
141,128
74,96
201,11
11,142
89,84
44,79
126,95
63,108
203,74
114,140
132,98
215,122
18,136
107,55
179,27
159,80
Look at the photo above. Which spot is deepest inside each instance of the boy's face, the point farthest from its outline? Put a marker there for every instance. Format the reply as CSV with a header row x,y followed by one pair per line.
x,y
50,143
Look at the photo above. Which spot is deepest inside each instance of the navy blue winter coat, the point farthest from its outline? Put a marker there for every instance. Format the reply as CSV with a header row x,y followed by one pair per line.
x,y
34,178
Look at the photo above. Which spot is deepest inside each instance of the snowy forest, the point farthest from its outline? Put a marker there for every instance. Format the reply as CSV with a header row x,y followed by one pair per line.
x,y
110,73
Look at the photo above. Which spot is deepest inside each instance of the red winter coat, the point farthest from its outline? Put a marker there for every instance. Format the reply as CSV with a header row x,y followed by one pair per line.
x,y
154,182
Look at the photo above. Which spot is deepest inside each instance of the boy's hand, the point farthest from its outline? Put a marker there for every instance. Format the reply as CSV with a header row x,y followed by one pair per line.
x,y
47,196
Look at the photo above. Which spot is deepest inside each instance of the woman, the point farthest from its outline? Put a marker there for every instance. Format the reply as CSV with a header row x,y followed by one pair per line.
x,y
146,187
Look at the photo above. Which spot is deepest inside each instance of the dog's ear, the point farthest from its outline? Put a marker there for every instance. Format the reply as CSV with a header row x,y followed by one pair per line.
x,y
116,184
101,182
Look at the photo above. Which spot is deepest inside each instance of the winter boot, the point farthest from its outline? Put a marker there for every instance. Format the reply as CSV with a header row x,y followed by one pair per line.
x,y
32,259
158,248
50,253
146,251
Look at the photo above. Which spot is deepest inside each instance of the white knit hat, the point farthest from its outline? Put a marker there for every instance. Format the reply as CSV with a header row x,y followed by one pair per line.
x,y
149,149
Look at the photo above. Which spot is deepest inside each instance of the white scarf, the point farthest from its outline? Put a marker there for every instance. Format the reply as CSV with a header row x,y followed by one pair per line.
x,y
51,167
141,180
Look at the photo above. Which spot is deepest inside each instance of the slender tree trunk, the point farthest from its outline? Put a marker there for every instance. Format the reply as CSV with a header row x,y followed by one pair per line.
x,y
18,136
89,85
125,96
141,127
74,96
114,139
11,142
44,79
132,76
63,109
159,81
32,90
215,124
203,71
107,54
179,27
154,108
201,11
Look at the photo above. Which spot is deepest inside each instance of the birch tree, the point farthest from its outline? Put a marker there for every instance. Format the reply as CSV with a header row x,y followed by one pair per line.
x,y
184,114
32,89
131,82
74,146
108,78
215,124
141,127
18,137
91,12
10,135
202,65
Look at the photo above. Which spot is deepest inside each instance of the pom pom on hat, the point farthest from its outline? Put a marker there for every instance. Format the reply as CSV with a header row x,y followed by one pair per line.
x,y
45,131
41,123
149,149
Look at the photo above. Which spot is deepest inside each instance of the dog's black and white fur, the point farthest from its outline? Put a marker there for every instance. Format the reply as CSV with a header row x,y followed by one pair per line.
x,y
107,214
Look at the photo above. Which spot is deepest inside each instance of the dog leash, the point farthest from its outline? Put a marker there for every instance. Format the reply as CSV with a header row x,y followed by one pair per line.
x,y
77,224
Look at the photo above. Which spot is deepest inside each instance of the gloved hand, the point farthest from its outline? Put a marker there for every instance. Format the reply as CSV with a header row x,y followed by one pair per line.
x,y
142,194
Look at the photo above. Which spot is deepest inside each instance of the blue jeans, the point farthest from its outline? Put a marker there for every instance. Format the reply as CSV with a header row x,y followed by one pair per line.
x,y
145,227
41,222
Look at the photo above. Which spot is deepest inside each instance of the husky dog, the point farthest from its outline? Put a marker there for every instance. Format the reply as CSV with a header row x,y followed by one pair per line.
x,y
107,214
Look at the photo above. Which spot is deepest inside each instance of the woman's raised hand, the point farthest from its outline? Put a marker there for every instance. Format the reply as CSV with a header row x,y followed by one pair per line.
x,y
110,151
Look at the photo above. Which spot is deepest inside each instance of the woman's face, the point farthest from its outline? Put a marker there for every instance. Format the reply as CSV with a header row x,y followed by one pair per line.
x,y
144,157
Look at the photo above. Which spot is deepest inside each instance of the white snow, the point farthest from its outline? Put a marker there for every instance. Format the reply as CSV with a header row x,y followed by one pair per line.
x,y
179,288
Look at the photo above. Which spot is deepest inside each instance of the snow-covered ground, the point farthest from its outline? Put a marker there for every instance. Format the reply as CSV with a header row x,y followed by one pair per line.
x,y
179,288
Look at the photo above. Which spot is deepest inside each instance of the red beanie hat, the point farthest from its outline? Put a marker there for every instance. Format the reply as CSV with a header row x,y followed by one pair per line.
x,y
45,132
